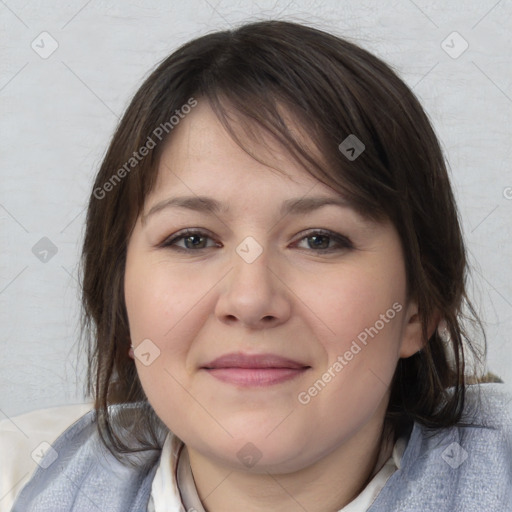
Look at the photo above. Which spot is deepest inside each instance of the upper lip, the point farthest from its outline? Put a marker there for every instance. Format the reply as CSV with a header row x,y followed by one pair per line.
x,y
240,360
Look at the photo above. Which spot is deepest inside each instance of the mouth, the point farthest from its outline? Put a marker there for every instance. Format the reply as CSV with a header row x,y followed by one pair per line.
x,y
254,370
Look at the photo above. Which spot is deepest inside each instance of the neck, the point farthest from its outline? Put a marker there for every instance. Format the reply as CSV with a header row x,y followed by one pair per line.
x,y
327,485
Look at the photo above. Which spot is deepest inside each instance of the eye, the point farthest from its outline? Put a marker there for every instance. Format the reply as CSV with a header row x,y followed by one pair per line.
x,y
319,240
324,241
192,239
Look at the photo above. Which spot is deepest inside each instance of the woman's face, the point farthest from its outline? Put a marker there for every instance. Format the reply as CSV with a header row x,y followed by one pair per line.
x,y
303,300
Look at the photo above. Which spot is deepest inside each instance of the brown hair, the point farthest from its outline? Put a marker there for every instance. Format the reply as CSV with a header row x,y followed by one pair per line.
x,y
331,88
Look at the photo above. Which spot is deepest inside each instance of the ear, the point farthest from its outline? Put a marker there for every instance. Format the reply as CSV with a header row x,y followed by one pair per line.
x,y
412,336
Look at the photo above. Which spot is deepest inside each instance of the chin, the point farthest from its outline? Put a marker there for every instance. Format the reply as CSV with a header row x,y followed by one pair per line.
x,y
257,451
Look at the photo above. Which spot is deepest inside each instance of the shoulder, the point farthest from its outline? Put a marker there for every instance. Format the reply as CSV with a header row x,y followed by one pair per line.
x,y
463,468
78,471
489,404
23,441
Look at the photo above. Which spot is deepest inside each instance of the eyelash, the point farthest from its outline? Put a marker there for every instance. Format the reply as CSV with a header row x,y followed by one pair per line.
x,y
341,240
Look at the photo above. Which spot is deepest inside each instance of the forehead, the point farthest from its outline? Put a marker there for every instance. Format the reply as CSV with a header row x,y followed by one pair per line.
x,y
203,170
201,153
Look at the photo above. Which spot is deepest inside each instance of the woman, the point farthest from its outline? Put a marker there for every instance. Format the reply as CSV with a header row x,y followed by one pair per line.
x,y
273,285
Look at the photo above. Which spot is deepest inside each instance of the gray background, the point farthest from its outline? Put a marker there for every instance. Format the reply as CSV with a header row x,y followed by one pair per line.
x,y
59,112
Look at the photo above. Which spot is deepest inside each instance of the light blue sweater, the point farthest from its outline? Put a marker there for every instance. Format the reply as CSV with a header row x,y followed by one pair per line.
x,y
458,469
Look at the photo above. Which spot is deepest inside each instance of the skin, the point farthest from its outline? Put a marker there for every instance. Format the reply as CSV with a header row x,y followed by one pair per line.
x,y
293,301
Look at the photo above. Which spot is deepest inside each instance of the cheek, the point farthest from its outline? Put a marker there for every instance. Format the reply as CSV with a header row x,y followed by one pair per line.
x,y
157,305
156,299
168,307
358,303
361,312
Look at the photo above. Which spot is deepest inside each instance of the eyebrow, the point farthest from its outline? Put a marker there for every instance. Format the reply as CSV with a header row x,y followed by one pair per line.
x,y
210,206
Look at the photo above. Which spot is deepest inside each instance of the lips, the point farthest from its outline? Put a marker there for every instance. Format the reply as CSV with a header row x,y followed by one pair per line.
x,y
255,369
239,360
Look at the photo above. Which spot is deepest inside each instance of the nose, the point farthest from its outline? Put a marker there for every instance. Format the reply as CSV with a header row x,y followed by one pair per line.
x,y
254,294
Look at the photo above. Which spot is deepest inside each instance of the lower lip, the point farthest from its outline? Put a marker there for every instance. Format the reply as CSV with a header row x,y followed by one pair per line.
x,y
255,376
